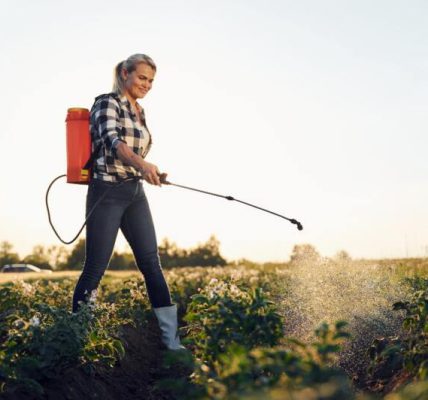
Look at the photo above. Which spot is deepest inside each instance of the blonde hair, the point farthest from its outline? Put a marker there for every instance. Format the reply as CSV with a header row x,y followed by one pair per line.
x,y
130,64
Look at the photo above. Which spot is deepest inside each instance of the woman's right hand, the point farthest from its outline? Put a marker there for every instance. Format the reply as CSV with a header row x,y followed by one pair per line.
x,y
151,173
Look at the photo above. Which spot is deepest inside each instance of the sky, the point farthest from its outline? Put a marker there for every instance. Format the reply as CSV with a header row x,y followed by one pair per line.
x,y
316,110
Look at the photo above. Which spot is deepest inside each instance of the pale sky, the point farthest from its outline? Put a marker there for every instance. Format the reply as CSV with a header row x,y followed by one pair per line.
x,y
313,109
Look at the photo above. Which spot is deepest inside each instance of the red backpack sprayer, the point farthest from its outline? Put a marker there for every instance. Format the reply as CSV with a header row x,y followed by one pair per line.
x,y
80,160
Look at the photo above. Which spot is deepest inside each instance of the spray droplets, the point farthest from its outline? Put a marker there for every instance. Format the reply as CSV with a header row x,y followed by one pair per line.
x,y
360,293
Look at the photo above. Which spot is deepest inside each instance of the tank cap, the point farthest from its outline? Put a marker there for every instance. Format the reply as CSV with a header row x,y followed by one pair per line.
x,y
75,109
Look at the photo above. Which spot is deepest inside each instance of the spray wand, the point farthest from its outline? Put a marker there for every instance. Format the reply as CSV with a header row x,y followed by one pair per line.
x,y
292,220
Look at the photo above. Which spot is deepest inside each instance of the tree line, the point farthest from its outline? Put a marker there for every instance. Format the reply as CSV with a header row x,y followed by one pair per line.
x,y
59,258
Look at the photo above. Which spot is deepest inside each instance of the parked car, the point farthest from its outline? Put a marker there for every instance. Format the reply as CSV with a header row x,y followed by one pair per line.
x,y
23,268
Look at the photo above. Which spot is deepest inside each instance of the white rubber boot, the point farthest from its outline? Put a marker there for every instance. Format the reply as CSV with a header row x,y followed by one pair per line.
x,y
167,318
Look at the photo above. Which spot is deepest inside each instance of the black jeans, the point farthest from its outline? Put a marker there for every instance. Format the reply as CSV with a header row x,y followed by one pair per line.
x,y
125,207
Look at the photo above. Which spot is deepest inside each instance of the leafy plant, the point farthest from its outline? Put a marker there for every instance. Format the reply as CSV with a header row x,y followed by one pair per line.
x,y
222,314
240,371
409,352
40,341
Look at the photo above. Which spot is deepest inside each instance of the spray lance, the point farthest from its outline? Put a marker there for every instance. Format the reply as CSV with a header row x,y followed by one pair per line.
x,y
80,159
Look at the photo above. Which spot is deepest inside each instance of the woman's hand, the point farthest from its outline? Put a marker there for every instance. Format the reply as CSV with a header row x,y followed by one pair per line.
x,y
151,173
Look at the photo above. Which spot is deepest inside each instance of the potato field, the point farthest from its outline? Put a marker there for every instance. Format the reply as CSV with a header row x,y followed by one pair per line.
x,y
330,330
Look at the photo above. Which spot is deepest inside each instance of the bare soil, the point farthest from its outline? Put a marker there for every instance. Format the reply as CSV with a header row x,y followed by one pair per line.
x,y
133,377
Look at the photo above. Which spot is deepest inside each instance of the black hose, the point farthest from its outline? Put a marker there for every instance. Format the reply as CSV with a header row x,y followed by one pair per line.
x,y
87,216
163,180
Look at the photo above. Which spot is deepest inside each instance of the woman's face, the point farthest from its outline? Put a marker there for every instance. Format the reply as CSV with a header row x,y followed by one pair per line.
x,y
139,81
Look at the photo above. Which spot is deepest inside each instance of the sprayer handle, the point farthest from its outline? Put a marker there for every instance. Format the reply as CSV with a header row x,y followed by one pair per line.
x,y
162,177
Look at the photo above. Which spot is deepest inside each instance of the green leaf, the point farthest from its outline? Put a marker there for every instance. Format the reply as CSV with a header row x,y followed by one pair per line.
x,y
118,346
341,324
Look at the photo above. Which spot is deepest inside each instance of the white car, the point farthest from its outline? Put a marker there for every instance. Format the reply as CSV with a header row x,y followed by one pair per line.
x,y
23,268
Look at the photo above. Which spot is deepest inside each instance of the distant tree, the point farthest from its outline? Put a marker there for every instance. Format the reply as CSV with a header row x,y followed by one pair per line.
x,y
171,255
76,258
52,257
57,256
342,256
207,254
122,261
7,256
304,253
39,257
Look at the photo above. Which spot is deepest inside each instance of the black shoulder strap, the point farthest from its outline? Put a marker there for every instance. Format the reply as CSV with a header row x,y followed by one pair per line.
x,y
93,156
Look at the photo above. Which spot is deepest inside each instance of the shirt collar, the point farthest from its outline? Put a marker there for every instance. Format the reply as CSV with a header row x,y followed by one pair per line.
x,y
124,100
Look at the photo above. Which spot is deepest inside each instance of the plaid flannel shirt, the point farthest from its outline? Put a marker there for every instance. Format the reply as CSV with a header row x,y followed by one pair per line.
x,y
113,121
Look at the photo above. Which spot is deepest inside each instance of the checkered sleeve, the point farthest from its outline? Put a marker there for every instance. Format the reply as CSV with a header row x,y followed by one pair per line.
x,y
106,114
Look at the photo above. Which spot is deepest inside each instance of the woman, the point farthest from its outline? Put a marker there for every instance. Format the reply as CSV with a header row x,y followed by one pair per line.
x,y
121,140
